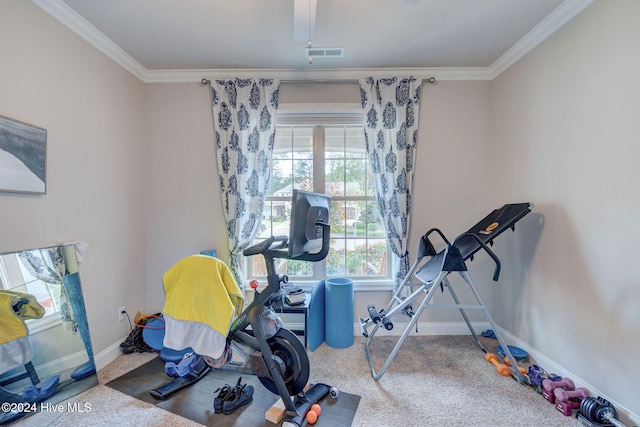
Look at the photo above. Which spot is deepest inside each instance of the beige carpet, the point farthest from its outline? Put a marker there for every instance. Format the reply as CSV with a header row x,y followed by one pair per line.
x,y
434,381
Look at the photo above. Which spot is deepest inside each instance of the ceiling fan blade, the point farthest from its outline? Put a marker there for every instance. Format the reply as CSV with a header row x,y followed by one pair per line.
x,y
304,19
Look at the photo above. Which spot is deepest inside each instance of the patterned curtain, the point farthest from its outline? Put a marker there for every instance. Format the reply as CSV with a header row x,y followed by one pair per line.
x,y
390,109
244,117
48,265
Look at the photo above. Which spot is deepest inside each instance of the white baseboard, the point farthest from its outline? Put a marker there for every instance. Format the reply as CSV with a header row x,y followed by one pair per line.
x,y
627,417
108,355
59,365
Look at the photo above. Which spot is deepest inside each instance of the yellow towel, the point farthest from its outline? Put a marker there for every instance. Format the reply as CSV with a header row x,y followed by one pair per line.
x,y
200,288
15,348
12,324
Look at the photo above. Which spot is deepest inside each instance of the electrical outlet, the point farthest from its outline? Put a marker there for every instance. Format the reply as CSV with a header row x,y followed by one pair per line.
x,y
121,313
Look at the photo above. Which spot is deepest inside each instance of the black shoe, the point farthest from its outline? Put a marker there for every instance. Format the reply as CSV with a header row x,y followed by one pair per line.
x,y
240,395
225,392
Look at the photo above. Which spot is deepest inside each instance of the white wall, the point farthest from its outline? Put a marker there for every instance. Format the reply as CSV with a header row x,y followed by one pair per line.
x,y
93,111
184,214
565,132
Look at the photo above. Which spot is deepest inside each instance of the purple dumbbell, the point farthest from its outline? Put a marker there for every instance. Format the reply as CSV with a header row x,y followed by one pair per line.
x,y
565,383
564,395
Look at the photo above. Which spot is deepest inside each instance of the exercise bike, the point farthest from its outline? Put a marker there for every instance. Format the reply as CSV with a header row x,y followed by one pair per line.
x,y
285,364
257,344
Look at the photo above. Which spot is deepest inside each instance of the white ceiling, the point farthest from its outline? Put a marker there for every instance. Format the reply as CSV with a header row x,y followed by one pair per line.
x,y
152,37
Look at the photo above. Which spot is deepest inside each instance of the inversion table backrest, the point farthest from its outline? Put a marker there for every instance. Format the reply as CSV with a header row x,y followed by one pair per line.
x,y
491,227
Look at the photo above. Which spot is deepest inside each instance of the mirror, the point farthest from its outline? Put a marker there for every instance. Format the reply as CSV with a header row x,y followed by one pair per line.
x,y
45,347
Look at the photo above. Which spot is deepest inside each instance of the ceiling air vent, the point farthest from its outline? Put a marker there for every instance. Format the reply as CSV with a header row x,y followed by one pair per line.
x,y
325,52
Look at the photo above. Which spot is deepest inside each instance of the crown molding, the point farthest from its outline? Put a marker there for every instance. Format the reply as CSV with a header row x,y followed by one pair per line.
x,y
69,18
76,23
556,19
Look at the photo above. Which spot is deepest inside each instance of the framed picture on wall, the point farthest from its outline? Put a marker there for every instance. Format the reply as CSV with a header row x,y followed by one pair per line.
x,y
23,157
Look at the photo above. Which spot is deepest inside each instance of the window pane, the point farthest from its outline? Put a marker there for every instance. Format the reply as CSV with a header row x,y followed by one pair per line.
x,y
356,256
373,220
337,218
299,268
283,141
280,176
369,186
355,210
334,178
334,143
354,142
356,177
375,262
303,143
303,174
336,264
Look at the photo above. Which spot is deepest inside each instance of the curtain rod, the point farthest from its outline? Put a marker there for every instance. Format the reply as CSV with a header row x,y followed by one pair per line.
x,y
430,80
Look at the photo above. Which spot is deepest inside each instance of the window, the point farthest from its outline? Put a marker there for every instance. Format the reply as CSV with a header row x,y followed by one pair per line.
x,y
15,276
330,159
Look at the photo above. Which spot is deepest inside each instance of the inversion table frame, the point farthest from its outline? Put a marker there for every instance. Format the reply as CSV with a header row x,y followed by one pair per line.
x,y
434,272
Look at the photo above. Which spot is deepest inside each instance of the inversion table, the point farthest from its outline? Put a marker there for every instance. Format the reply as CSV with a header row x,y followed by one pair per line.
x,y
434,271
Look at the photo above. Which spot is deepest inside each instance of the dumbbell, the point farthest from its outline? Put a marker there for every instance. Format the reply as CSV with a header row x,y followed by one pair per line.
x,y
502,369
599,410
567,407
522,370
565,383
568,400
564,395
548,386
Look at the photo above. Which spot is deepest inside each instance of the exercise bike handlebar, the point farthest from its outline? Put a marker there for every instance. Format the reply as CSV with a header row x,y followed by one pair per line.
x,y
268,247
265,245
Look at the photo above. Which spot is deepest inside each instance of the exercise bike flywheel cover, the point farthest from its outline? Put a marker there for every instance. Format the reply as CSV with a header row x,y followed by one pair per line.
x,y
516,352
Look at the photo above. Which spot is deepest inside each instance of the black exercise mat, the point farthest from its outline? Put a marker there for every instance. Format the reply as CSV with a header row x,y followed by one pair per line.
x,y
196,401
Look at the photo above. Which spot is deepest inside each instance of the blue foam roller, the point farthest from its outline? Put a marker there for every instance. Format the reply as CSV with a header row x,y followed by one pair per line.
x,y
339,312
316,323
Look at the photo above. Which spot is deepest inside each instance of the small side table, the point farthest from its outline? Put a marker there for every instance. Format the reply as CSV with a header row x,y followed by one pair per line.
x,y
280,307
